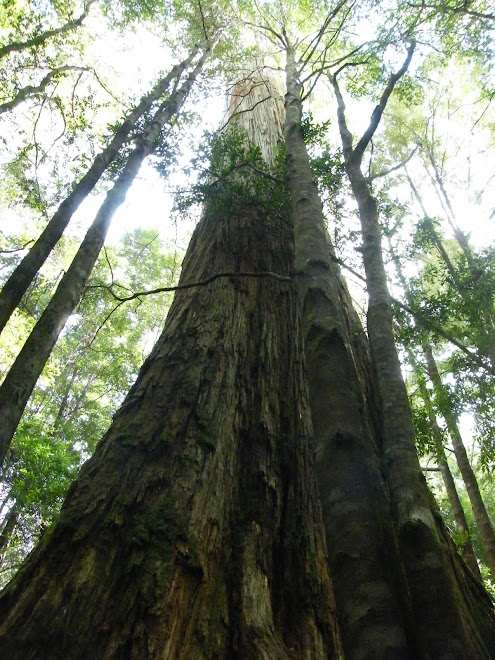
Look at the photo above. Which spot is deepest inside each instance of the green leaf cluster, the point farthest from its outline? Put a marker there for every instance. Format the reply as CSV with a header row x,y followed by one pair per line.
x,y
233,172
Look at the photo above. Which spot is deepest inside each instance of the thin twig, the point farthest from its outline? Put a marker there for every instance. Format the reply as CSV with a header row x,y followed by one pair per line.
x,y
190,285
392,169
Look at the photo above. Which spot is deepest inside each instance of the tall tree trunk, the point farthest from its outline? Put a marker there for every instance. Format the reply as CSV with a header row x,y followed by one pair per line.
x,y
195,530
19,281
467,550
443,622
483,522
8,530
22,376
370,589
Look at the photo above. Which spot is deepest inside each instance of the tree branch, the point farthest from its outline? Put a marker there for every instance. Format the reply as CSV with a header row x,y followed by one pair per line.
x,y
37,90
474,357
461,9
378,111
190,285
392,169
17,46
345,134
313,44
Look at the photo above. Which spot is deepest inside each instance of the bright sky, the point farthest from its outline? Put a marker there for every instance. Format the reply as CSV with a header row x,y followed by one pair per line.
x,y
136,64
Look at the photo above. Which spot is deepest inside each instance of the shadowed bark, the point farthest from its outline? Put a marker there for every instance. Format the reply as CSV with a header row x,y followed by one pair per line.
x,y
7,531
195,530
442,593
467,550
370,587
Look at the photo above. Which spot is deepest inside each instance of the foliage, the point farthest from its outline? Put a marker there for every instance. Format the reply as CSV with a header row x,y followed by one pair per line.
x,y
232,171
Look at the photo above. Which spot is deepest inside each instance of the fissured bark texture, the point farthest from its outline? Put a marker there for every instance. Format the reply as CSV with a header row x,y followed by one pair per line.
x,y
195,529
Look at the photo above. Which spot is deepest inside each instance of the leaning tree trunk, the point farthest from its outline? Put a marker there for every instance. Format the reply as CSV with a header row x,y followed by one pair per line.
x,y
195,530
370,588
19,281
22,376
483,522
7,531
467,550
451,620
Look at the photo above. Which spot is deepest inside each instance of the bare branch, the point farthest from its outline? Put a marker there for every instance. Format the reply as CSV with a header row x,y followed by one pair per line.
x,y
37,90
313,44
19,249
190,285
392,169
236,114
270,33
378,111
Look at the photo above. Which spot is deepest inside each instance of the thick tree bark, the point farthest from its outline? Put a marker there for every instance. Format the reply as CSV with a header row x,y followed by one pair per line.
x,y
443,622
22,376
370,589
19,281
483,522
195,530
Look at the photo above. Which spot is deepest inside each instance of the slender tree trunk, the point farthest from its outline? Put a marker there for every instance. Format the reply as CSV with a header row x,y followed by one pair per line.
x,y
195,530
467,550
370,589
443,624
21,378
19,281
17,46
483,522
8,530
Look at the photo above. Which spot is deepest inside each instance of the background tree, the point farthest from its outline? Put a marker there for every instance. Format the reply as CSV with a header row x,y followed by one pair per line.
x,y
19,382
87,376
